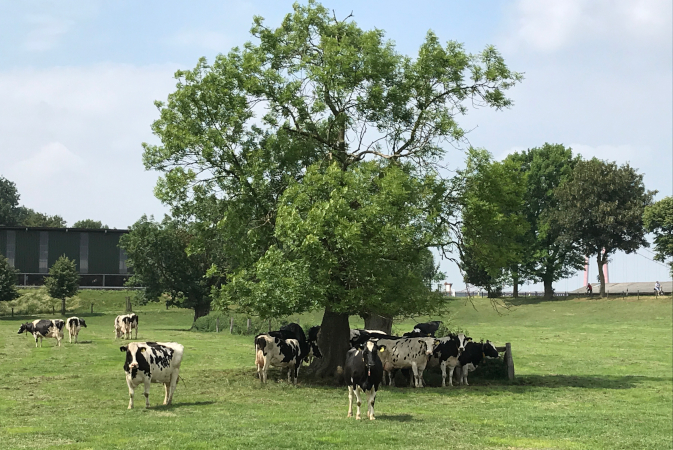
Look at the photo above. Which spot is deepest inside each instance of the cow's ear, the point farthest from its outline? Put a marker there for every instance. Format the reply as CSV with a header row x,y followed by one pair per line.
x,y
123,349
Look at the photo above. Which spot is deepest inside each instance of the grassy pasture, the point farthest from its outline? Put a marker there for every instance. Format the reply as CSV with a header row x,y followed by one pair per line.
x,y
591,374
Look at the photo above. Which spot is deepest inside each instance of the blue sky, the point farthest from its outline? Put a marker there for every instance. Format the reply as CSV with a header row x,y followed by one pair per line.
x,y
78,80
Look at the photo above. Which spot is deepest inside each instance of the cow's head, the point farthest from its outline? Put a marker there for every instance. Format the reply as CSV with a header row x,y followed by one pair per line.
x,y
135,358
82,323
430,344
490,350
462,341
370,353
26,328
313,333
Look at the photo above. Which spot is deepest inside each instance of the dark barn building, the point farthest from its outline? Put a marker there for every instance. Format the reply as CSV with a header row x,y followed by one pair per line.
x,y
33,250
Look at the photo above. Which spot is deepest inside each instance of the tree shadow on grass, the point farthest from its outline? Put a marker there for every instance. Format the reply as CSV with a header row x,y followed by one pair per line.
x,y
584,381
395,417
181,405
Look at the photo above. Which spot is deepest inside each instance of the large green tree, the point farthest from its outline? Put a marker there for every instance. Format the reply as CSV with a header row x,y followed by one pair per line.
x,y
330,95
658,219
159,256
63,280
601,210
90,224
545,256
493,224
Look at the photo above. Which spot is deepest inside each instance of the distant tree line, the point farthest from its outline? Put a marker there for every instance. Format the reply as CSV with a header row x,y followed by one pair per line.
x,y
13,214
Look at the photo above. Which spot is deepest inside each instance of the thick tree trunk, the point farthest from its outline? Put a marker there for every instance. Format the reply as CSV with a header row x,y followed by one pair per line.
x,y
201,310
333,343
548,289
63,306
374,321
601,262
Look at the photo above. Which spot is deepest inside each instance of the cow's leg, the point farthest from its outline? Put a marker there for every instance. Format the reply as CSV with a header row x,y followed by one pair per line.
x,y
35,336
167,388
174,382
358,401
70,335
414,369
452,368
131,392
371,398
289,374
391,378
465,371
147,392
264,369
421,381
350,401
296,372
442,365
136,332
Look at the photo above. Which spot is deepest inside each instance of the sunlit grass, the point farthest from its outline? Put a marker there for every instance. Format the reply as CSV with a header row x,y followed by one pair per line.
x,y
591,374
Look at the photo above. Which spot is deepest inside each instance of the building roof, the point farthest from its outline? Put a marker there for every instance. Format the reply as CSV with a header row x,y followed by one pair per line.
x,y
66,229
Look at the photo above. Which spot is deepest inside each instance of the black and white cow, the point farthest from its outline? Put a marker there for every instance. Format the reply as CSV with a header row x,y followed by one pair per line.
x,y
152,362
363,373
42,328
278,352
314,350
358,338
470,359
73,325
125,324
425,329
403,353
446,353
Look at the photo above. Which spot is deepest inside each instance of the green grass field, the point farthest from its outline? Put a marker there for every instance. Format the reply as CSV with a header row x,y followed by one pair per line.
x,y
590,375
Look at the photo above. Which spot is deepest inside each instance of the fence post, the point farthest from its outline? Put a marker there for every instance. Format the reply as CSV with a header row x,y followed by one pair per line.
x,y
247,330
92,308
509,360
638,294
217,325
231,325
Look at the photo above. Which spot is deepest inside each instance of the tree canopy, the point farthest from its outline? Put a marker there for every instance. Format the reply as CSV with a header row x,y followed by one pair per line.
x,y
314,97
90,224
601,210
8,276
11,214
158,254
63,280
658,219
546,256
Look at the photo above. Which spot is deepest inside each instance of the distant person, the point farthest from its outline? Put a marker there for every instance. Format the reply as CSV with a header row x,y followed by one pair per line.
x,y
590,290
657,289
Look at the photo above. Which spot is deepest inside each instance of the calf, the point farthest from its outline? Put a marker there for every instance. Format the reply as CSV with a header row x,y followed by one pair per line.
x,y
470,359
278,352
446,353
152,362
363,372
406,353
42,328
73,325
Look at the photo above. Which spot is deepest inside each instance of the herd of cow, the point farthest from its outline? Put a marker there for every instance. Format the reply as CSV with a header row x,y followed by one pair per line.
x,y
373,355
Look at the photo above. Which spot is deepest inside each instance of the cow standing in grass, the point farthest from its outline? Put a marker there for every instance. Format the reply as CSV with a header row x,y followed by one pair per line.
x,y
152,362
363,373
404,353
42,328
125,324
446,354
73,325
278,352
470,359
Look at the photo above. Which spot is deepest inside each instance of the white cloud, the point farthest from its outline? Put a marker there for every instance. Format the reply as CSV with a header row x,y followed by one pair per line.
x,y
45,32
70,137
550,26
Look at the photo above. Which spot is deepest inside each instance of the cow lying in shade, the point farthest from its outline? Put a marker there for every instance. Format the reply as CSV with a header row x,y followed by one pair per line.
x,y
73,325
404,353
470,359
363,373
42,328
278,352
152,362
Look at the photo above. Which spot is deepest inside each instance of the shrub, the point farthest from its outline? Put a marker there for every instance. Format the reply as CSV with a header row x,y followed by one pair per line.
x,y
7,281
257,325
35,301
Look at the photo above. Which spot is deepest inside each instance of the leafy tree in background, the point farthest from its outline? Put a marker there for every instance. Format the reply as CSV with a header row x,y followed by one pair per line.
x,y
8,280
333,95
63,280
493,224
30,218
161,263
658,219
545,257
9,203
601,210
90,224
